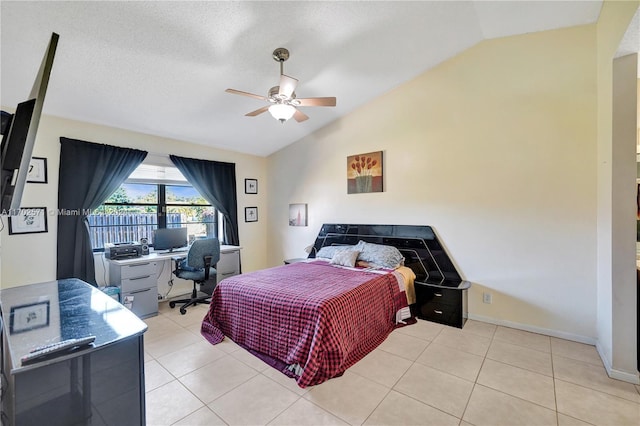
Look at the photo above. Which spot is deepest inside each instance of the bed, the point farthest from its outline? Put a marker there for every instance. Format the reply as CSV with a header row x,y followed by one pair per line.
x,y
312,320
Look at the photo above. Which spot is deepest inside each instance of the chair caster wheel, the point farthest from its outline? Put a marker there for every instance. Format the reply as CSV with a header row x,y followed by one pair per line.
x,y
172,305
183,311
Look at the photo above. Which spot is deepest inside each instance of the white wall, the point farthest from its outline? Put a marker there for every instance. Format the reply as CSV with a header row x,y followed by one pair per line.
x,y
496,149
31,258
625,72
616,302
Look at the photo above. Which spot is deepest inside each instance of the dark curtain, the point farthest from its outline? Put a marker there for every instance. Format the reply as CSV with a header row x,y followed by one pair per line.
x,y
216,182
89,174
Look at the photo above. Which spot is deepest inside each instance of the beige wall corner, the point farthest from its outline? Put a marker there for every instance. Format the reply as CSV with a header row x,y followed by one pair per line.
x,y
615,227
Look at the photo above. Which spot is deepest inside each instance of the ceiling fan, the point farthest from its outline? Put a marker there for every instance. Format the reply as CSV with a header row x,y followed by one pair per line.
x,y
283,97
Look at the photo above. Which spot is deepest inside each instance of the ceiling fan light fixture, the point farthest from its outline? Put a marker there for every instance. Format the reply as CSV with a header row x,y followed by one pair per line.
x,y
282,97
282,112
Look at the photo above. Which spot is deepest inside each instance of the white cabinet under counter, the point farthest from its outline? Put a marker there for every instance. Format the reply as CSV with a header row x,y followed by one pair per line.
x,y
229,263
140,279
138,283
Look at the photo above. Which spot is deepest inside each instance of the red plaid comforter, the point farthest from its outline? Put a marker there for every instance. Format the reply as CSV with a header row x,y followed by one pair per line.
x,y
323,318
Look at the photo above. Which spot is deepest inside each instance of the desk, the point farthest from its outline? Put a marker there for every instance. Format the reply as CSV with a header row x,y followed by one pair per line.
x,y
103,384
139,278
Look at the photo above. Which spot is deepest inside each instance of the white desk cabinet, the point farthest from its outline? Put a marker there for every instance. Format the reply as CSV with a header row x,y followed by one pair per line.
x,y
229,263
138,278
138,282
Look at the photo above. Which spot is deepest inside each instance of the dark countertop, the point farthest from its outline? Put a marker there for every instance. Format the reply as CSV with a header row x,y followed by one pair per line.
x,y
75,310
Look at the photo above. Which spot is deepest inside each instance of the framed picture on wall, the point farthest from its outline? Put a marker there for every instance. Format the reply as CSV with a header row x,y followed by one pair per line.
x,y
37,170
364,173
250,214
29,220
297,215
251,186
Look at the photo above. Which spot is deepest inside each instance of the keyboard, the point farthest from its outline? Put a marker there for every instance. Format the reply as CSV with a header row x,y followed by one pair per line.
x,y
176,250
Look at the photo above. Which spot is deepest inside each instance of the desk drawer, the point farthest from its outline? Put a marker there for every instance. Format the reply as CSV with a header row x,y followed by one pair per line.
x,y
143,303
228,263
138,283
137,270
221,276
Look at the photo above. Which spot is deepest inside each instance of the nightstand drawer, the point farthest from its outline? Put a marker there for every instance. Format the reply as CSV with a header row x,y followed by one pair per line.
x,y
439,312
443,296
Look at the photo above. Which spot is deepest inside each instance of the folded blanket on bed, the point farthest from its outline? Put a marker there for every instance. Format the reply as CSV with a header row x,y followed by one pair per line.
x,y
408,277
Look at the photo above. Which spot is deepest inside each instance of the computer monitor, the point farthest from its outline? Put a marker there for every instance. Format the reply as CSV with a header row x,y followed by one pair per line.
x,y
169,238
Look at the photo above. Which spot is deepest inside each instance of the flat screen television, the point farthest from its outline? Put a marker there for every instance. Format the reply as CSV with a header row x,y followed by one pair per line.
x,y
20,135
169,238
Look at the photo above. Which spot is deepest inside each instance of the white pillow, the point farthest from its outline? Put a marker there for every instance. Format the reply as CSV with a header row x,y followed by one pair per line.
x,y
387,257
345,258
327,252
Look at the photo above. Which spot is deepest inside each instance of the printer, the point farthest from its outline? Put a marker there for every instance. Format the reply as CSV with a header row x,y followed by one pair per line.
x,y
118,251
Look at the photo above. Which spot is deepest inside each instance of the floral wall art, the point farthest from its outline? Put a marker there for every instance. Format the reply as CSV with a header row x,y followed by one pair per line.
x,y
364,173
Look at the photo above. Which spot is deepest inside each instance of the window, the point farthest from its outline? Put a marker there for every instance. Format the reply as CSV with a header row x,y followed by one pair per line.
x,y
152,197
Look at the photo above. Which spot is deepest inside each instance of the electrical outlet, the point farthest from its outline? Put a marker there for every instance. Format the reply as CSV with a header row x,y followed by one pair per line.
x,y
486,297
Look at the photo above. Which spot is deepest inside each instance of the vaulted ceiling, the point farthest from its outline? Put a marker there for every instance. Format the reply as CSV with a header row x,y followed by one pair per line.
x,y
162,67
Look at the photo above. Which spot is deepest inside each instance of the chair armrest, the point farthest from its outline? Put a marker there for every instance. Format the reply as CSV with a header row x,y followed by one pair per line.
x,y
207,266
176,262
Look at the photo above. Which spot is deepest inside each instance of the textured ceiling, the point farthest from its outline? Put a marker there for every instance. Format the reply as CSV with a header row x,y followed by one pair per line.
x,y
162,67
631,40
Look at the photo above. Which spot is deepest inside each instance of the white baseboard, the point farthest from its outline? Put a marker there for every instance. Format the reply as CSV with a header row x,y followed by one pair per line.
x,y
617,374
546,331
614,374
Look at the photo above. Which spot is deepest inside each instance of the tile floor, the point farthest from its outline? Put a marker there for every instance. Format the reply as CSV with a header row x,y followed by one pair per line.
x,y
424,374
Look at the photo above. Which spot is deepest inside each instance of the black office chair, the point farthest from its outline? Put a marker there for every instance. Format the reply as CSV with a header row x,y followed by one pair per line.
x,y
198,266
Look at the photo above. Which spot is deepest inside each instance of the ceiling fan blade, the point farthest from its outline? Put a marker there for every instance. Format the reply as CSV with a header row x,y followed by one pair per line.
x,y
300,116
251,95
258,111
287,85
317,101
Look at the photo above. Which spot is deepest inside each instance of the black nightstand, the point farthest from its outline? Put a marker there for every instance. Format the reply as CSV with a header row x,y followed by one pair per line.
x,y
294,260
442,304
